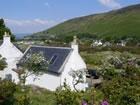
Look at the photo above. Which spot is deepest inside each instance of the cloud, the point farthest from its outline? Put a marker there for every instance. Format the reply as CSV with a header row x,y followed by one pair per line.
x,y
29,26
110,3
29,22
47,4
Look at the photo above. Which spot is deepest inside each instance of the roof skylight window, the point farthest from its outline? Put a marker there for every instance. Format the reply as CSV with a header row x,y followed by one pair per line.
x,y
53,59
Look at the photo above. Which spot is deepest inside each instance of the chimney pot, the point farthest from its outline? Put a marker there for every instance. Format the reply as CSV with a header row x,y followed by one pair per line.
x,y
74,44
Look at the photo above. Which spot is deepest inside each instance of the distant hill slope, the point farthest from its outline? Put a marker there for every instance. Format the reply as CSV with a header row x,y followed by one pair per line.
x,y
117,24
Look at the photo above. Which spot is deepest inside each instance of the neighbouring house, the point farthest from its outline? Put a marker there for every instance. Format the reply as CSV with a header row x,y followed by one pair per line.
x,y
107,44
122,43
96,43
63,61
12,55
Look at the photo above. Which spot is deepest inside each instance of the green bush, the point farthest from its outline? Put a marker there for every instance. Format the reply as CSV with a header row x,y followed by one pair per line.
x,y
122,91
7,90
66,96
3,63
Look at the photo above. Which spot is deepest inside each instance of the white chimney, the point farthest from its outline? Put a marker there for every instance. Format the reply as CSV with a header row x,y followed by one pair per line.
x,y
74,45
6,38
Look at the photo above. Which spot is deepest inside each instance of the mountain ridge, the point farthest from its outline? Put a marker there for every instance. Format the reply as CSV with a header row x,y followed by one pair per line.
x,y
113,25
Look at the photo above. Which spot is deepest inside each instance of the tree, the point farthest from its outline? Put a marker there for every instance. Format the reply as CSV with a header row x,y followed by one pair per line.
x,y
35,64
2,24
78,77
4,29
3,63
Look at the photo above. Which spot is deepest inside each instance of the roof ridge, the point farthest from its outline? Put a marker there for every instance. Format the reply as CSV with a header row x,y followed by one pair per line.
x,y
51,47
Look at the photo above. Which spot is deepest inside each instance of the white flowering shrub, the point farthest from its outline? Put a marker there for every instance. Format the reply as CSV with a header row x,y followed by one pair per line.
x,y
34,64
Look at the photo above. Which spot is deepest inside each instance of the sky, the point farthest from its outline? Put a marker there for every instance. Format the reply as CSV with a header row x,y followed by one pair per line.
x,y
30,16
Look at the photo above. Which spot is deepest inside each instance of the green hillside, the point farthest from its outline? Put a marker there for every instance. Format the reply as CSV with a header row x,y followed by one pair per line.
x,y
114,25
3,29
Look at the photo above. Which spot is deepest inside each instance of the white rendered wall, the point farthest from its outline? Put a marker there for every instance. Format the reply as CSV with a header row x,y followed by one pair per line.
x,y
47,81
75,62
12,55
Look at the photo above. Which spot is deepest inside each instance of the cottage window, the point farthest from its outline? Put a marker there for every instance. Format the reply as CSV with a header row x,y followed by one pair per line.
x,y
53,59
8,77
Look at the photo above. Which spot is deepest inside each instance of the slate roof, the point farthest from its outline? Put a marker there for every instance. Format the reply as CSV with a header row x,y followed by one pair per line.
x,y
57,55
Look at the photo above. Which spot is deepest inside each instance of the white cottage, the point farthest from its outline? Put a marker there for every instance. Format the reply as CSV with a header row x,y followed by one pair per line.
x,y
63,61
12,55
96,43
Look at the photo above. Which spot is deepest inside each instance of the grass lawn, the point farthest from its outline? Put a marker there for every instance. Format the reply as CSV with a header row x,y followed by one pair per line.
x,y
38,96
